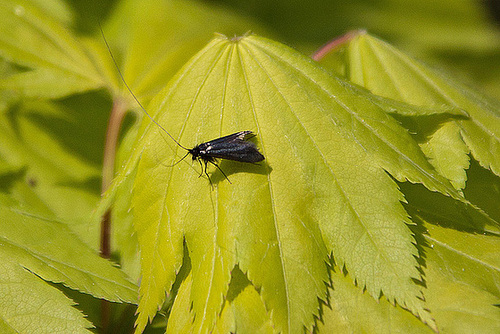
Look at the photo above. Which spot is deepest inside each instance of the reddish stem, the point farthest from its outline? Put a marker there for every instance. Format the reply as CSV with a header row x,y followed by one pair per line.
x,y
114,125
108,170
336,43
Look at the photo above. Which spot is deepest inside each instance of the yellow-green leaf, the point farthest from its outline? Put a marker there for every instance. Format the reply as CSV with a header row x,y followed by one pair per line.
x,y
30,305
57,255
320,190
388,72
176,30
33,37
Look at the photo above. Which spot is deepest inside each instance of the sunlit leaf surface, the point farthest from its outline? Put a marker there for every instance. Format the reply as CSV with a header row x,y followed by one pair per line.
x,y
30,305
56,146
57,255
321,188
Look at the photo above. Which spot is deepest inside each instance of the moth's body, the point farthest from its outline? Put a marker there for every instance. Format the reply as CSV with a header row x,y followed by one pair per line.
x,y
232,147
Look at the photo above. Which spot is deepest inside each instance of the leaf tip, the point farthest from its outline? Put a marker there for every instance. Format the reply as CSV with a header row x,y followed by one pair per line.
x,y
233,39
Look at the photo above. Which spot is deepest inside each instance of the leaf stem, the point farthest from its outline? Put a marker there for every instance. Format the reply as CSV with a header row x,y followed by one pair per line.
x,y
336,43
115,121
108,170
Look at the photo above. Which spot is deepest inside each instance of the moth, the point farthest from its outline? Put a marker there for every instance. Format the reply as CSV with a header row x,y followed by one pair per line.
x,y
235,147
232,147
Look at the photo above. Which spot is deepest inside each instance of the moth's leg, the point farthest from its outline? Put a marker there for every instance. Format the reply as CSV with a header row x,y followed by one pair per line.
x,y
208,176
175,163
216,165
201,167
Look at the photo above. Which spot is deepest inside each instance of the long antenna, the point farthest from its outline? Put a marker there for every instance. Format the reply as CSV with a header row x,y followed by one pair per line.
x,y
132,93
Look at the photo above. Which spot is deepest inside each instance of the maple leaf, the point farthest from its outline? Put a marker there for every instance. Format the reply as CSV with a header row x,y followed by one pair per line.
x,y
321,189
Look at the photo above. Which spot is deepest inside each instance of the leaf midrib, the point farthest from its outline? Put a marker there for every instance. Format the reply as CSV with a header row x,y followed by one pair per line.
x,y
47,259
271,192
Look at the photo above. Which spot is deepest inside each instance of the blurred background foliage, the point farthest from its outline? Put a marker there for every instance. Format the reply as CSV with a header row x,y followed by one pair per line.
x,y
463,36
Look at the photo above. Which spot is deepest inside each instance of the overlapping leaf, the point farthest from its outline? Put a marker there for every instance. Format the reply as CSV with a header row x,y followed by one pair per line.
x,y
35,39
463,269
388,72
459,266
59,156
459,281
34,249
461,278
57,255
319,189
349,310
30,305
176,30
243,311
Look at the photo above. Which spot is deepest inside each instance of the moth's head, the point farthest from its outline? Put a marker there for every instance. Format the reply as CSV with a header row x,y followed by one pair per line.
x,y
195,152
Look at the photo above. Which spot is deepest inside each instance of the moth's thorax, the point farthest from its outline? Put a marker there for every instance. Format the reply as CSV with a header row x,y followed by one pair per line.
x,y
203,148
200,150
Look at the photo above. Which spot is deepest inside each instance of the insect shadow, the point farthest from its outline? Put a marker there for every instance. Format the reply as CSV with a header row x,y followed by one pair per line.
x,y
234,167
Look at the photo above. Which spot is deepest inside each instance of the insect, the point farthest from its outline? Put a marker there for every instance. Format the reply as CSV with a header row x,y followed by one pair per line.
x,y
231,147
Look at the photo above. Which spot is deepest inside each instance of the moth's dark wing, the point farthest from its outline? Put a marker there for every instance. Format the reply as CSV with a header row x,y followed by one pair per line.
x,y
242,135
237,150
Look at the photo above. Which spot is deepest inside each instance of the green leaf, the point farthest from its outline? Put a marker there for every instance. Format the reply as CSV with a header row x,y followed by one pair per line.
x,y
42,43
30,305
319,190
448,153
388,72
483,189
444,211
182,319
16,191
468,257
471,259
376,132
123,232
351,310
46,83
405,109
57,255
462,261
463,279
58,146
462,275
243,311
